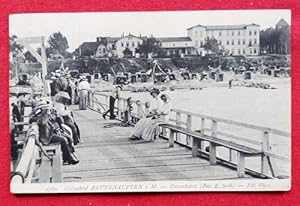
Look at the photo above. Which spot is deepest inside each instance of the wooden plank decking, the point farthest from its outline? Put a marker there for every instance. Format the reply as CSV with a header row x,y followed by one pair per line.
x,y
106,154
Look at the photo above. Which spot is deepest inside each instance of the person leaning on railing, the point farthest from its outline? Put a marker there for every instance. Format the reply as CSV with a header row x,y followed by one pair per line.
x,y
50,131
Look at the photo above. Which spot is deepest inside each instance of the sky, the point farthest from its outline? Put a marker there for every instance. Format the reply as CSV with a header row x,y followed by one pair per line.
x,y
83,27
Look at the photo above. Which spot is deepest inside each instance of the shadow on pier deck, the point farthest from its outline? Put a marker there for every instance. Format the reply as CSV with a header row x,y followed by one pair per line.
x,y
106,154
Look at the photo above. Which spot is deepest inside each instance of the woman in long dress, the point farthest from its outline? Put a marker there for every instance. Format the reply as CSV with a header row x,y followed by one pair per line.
x,y
151,132
145,122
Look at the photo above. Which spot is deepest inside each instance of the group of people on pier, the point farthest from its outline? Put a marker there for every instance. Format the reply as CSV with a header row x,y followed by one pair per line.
x,y
147,127
157,113
77,89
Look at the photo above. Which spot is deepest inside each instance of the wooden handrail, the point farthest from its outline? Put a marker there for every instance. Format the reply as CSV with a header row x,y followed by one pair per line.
x,y
220,120
235,123
28,155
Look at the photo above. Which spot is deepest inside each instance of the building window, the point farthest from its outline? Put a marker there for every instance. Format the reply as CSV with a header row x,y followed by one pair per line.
x,y
127,44
232,42
173,44
244,42
104,50
250,50
201,43
122,44
239,42
254,51
239,51
220,33
255,32
227,42
255,41
133,44
250,33
250,43
185,44
232,33
239,33
220,42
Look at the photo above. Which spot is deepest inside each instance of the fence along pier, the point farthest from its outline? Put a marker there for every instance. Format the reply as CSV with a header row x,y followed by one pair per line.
x,y
192,147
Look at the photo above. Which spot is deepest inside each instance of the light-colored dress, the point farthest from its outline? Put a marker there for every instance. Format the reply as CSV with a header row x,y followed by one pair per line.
x,y
145,122
151,132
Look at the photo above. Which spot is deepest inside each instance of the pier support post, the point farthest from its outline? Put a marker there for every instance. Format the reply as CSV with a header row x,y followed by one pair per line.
x,y
189,127
240,164
195,147
171,138
212,146
178,123
212,153
201,144
265,148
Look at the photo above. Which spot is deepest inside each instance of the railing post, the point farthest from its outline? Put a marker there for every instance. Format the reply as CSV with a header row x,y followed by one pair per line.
x,y
240,164
171,138
92,100
178,123
107,101
265,148
139,110
201,143
119,108
189,127
212,146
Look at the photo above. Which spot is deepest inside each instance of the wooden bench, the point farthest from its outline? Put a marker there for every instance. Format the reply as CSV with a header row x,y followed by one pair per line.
x,y
198,138
50,170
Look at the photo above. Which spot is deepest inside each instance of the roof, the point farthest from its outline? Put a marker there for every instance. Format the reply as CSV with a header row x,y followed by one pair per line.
x,y
224,27
174,39
282,23
89,45
112,39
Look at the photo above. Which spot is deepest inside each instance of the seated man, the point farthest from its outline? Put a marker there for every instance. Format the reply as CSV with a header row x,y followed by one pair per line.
x,y
50,132
68,119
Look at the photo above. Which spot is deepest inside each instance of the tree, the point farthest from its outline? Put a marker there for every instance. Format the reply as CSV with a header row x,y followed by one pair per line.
x,y
275,41
150,46
29,57
212,45
127,52
58,44
14,45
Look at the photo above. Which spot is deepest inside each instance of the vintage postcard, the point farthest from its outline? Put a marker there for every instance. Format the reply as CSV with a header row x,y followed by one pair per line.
x,y
150,101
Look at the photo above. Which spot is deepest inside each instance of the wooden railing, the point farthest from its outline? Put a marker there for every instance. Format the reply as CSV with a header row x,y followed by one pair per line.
x,y
37,163
27,162
257,137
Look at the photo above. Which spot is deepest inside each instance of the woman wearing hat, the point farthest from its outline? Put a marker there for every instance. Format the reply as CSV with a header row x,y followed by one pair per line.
x,y
146,121
50,131
161,116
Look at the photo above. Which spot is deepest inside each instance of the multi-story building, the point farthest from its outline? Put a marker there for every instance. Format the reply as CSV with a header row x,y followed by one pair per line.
x,y
131,42
235,39
177,45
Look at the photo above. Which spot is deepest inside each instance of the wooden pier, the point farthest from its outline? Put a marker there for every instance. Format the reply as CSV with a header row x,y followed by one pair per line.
x,y
191,147
106,154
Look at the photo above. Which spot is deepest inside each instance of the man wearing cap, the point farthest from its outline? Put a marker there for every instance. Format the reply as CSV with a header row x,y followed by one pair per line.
x,y
83,89
115,95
